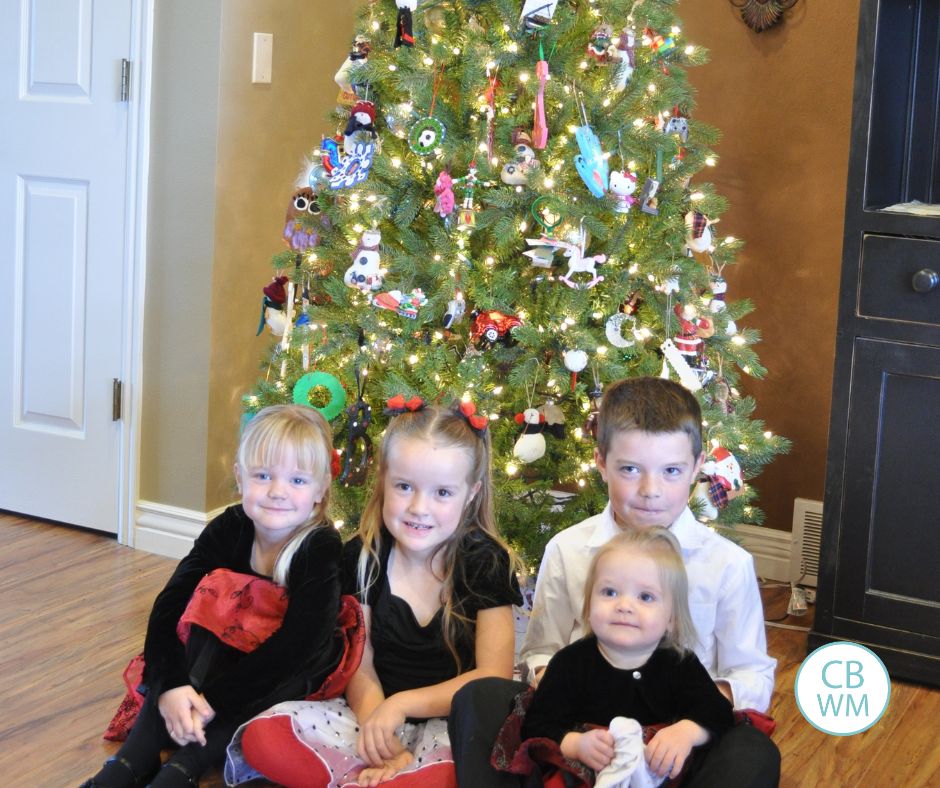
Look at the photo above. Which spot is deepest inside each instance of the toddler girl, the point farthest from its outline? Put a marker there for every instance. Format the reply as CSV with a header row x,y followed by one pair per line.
x,y
437,588
223,641
633,668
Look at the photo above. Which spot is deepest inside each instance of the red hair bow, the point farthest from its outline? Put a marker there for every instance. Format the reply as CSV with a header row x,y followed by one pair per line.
x,y
469,412
397,405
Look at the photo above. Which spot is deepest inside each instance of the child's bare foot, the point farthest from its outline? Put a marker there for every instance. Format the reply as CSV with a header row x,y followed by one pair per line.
x,y
373,775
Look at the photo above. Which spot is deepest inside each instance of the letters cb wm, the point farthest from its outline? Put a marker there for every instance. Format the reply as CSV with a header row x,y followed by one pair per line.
x,y
842,688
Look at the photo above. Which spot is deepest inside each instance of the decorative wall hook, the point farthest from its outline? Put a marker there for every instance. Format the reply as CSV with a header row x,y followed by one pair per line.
x,y
761,14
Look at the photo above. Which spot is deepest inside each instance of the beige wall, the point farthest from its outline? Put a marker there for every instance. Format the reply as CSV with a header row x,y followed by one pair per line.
x,y
224,155
782,98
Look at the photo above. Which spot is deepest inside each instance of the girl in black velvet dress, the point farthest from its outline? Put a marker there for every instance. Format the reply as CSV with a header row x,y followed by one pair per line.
x,y
633,668
248,617
437,587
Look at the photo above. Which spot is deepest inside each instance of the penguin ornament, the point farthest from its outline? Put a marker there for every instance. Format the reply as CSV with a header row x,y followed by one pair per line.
x,y
530,445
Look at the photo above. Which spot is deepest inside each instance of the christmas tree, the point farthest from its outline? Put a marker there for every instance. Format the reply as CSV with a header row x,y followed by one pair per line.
x,y
514,214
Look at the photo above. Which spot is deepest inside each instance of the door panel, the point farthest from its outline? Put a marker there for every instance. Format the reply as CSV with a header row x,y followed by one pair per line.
x,y
63,207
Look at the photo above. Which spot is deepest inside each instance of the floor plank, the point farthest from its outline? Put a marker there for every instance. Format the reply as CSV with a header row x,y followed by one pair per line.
x,y
75,604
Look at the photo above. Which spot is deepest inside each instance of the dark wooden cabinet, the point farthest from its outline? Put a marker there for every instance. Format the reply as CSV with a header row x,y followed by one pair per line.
x,y
879,569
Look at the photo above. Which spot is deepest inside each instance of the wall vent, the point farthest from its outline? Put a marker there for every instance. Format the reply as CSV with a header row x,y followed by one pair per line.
x,y
807,535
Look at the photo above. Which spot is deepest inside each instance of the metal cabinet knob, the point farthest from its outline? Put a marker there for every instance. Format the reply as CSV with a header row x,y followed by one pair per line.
x,y
925,280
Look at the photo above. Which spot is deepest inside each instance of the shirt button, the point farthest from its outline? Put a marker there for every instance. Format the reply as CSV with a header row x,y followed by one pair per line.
x,y
637,674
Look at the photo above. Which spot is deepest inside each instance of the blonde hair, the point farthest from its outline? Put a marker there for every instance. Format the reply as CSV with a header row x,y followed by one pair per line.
x,y
653,405
272,432
445,428
660,545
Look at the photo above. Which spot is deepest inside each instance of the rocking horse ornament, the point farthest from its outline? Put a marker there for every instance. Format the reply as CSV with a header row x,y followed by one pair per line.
x,y
761,14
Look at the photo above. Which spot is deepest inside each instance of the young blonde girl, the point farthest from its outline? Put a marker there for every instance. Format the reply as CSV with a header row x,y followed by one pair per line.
x,y
248,617
436,585
633,668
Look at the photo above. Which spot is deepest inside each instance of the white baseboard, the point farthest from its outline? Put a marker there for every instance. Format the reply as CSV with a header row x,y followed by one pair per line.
x,y
771,549
168,530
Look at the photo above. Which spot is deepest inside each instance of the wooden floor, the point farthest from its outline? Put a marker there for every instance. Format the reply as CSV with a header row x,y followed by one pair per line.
x,y
73,611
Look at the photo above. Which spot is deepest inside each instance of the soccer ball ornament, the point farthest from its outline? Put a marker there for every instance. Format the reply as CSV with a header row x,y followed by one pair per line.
x,y
426,135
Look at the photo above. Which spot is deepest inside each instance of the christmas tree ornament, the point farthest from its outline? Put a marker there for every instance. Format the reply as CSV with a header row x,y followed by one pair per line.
x,y
678,125
358,452
625,58
594,406
591,163
659,44
405,304
313,380
575,361
466,217
489,326
717,305
648,200
366,273
357,56
698,236
536,14
455,310
490,98
548,211
444,195
622,186
361,126
297,234
273,303
404,33
428,133
539,122
600,47
613,330
553,418
530,445
516,172
693,330
578,263
673,358
722,483
354,167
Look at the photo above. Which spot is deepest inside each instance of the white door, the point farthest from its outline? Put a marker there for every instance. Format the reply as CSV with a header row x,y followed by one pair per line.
x,y
63,254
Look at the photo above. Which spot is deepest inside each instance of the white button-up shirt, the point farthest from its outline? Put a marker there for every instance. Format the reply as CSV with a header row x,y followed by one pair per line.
x,y
723,598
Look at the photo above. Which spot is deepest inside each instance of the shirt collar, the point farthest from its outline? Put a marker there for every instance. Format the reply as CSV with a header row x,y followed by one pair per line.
x,y
687,530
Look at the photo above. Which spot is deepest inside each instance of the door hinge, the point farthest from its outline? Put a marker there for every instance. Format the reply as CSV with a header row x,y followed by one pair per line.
x,y
116,389
125,79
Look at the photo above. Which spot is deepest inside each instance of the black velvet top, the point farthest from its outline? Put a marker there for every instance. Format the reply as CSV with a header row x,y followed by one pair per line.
x,y
303,646
580,687
408,655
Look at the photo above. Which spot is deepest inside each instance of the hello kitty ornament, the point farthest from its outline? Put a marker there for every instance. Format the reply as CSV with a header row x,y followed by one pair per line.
x,y
622,185
365,273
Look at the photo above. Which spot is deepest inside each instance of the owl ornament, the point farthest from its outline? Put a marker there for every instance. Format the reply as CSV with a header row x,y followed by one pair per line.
x,y
303,209
761,14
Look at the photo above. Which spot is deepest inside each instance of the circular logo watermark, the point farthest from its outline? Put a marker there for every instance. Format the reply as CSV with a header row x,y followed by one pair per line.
x,y
842,688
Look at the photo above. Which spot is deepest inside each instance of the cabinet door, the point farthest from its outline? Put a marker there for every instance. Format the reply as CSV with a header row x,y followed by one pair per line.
x,y
887,577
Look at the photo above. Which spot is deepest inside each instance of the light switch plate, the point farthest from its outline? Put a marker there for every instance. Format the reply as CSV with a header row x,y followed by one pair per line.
x,y
262,55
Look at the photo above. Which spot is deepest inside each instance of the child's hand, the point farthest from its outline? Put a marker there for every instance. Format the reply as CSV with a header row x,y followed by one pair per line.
x,y
378,743
180,707
595,748
374,775
668,749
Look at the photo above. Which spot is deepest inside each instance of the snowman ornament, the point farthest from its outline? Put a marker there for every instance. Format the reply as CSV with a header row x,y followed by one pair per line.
x,y
698,234
530,445
365,273
719,288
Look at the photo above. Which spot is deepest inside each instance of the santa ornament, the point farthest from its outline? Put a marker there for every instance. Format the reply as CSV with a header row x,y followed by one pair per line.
x,y
723,482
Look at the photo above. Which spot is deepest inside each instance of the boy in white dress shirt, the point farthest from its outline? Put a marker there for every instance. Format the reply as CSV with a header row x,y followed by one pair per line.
x,y
649,452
